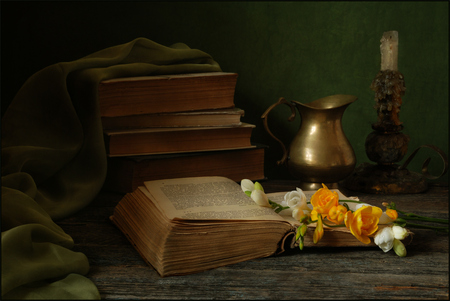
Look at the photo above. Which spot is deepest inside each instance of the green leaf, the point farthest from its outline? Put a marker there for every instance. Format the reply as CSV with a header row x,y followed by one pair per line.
x,y
248,192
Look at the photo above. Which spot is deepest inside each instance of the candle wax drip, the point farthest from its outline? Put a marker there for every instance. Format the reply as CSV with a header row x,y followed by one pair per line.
x,y
389,87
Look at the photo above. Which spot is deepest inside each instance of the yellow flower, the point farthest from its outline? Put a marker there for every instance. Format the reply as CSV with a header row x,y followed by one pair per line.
x,y
363,222
392,214
323,199
314,215
337,214
318,232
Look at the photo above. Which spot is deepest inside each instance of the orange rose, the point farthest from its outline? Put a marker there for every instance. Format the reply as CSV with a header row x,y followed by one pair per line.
x,y
363,222
323,200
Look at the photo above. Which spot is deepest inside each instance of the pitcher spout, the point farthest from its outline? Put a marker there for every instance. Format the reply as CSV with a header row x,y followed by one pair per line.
x,y
329,102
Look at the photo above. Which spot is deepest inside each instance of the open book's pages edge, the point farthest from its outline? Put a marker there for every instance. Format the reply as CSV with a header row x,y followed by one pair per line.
x,y
121,225
135,216
212,249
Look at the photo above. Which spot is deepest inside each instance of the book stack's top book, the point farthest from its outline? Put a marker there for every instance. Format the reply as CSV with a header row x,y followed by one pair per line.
x,y
166,93
172,114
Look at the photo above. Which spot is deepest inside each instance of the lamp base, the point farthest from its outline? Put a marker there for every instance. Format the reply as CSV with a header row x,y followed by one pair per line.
x,y
385,179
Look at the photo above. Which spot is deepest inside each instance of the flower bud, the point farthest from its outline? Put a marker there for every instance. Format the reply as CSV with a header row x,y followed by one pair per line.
x,y
399,248
260,198
301,243
303,229
258,186
318,232
247,185
399,232
393,214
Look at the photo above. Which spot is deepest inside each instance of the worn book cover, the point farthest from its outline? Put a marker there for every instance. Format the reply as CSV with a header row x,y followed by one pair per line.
x,y
175,140
166,93
216,117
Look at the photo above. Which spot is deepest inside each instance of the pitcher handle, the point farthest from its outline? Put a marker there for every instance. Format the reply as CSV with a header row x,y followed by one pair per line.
x,y
281,100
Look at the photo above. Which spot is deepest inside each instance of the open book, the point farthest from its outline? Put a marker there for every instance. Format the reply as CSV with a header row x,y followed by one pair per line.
x,y
187,225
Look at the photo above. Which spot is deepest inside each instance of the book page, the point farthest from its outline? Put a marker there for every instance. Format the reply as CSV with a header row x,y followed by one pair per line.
x,y
206,198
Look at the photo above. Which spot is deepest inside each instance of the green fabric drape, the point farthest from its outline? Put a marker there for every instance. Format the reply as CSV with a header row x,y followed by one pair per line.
x,y
54,163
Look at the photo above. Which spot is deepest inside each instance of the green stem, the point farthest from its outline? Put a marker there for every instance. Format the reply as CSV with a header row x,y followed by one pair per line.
x,y
425,219
412,225
278,208
351,201
346,201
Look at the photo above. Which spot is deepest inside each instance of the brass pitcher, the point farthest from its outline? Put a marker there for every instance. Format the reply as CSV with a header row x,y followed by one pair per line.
x,y
320,152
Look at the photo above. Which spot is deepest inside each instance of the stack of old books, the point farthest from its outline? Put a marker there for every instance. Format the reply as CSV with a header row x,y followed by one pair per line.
x,y
171,126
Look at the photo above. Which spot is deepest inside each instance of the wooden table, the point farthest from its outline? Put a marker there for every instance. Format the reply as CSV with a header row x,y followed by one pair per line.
x,y
314,273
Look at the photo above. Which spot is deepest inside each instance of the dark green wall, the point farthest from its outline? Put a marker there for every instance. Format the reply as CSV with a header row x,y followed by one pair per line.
x,y
299,50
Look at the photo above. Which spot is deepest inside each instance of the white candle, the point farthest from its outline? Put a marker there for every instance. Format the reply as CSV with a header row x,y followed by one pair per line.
x,y
389,50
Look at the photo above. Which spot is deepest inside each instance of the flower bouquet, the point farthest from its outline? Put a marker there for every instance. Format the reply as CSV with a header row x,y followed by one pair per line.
x,y
325,209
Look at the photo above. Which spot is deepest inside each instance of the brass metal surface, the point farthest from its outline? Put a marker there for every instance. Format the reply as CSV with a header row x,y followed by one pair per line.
x,y
320,152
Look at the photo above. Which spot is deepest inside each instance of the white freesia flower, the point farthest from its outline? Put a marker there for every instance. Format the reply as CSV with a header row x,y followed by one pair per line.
x,y
385,239
399,232
260,198
247,185
295,198
298,213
